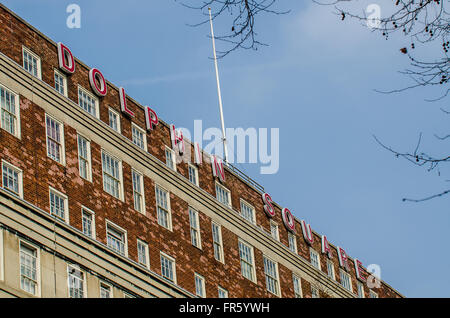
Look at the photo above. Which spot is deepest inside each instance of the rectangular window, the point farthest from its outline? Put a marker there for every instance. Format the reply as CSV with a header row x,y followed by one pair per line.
x,y
112,179
116,239
247,261
55,139
330,270
315,260
315,292
373,294
60,83
139,137
223,293
168,268
200,286
12,178
10,110
29,268
114,119
105,290
274,230
193,174
195,228
292,240
87,101
217,242
271,273
297,286
76,282
223,195
248,212
59,205
170,159
88,222
84,157
31,63
138,191
163,208
360,288
143,257
345,281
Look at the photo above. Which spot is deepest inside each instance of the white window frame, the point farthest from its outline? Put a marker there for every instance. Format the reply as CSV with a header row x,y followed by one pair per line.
x,y
315,291
38,62
194,220
141,190
224,292
360,289
174,267
330,264
174,158
88,159
17,130
92,214
201,279
249,207
111,295
134,128
169,211
61,142
191,167
125,237
19,178
38,267
121,194
274,230
228,193
117,115
299,293
218,243
267,260
345,274
75,267
372,294
96,101
315,253
64,86
252,264
147,256
66,204
292,242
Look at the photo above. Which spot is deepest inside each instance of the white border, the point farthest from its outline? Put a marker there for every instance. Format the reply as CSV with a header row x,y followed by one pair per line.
x,y
66,204
168,206
20,172
119,229
38,267
39,68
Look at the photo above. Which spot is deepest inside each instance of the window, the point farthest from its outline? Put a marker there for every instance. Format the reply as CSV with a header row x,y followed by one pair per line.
x,y
223,195
87,101
116,238
223,293
217,242
12,178
31,63
84,157
60,83
59,206
163,208
142,249
200,286
29,268
88,222
314,292
139,137
247,261
138,191
105,290
373,294
114,119
345,281
55,139
195,228
271,273
360,288
112,176
330,270
315,260
274,230
193,174
170,159
248,212
292,240
168,268
76,282
10,110
297,286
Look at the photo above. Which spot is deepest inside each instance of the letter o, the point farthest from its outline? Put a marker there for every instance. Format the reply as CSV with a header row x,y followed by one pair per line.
x,y
94,75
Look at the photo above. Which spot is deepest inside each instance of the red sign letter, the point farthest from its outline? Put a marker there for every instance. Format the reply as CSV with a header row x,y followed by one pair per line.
x,y
343,259
359,270
268,207
288,219
151,119
198,154
217,168
325,246
307,232
66,60
177,139
123,103
99,88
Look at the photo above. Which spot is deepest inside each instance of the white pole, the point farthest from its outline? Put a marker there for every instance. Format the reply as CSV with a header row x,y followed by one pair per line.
x,y
224,139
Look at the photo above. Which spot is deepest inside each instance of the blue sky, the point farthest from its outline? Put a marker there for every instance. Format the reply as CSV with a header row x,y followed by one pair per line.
x,y
315,82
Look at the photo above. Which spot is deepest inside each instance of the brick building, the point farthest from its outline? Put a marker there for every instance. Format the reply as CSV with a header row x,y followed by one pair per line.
x,y
93,202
